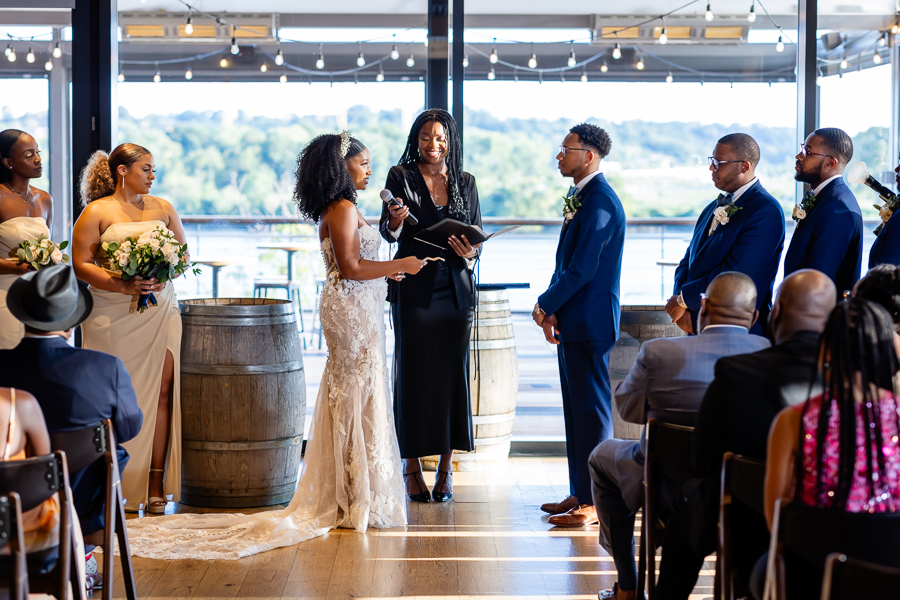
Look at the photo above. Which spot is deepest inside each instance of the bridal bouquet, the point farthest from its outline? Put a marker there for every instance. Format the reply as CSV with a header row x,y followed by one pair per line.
x,y
156,253
40,253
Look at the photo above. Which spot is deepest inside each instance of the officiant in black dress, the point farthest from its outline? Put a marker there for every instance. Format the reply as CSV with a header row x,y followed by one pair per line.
x,y
432,312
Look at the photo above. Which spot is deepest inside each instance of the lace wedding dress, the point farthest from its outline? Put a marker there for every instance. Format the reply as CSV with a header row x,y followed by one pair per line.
x,y
351,473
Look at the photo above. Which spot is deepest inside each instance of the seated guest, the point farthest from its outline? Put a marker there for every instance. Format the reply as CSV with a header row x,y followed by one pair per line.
x,y
881,285
858,362
666,382
75,388
735,415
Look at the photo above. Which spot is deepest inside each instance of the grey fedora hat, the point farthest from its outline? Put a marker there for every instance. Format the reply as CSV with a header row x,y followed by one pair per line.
x,y
51,299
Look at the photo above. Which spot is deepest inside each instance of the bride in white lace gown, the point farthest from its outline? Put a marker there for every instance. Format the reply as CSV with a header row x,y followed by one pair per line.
x,y
351,472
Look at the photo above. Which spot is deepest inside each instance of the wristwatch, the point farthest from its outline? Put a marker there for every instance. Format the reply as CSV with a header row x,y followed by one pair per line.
x,y
537,309
680,301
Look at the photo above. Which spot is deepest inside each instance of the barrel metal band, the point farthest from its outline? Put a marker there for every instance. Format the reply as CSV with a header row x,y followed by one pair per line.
x,y
294,365
220,321
493,296
489,419
277,308
491,441
494,322
493,344
242,446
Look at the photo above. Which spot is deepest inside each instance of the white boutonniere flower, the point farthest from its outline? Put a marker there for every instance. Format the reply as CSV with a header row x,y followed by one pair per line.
x,y
722,215
571,204
799,214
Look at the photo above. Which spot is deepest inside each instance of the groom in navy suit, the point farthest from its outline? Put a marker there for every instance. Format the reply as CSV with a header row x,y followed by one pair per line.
x,y
742,230
829,233
579,312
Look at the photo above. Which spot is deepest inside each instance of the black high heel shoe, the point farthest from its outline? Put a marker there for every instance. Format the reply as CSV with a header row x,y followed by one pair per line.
x,y
421,496
442,496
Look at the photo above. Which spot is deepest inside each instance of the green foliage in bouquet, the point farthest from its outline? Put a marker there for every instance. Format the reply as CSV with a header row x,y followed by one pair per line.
x,y
42,252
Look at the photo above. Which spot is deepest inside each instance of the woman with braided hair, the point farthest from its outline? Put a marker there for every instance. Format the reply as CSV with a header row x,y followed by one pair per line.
x,y
25,213
432,313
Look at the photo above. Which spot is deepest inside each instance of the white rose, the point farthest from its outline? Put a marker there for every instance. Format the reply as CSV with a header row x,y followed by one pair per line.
x,y
170,253
144,239
799,213
45,243
885,214
125,247
721,215
56,256
122,258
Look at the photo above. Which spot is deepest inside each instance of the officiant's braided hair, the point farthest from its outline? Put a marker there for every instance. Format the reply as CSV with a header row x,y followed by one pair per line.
x,y
98,178
882,286
857,345
459,200
322,177
8,139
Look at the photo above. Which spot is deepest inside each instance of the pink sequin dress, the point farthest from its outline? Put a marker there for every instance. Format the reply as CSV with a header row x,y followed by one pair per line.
x,y
886,496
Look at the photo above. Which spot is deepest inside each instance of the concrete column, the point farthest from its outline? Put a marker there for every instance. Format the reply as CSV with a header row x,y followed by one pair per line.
x,y
60,151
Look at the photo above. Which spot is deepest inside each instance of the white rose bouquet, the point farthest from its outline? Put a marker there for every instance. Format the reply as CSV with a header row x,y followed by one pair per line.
x,y
40,253
156,253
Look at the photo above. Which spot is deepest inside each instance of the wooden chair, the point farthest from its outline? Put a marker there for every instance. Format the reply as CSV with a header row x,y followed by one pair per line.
x,y
809,535
742,479
84,447
48,571
670,446
11,535
849,579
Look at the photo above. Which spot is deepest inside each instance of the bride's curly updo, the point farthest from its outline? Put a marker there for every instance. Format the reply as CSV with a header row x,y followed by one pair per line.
x,y
322,176
97,179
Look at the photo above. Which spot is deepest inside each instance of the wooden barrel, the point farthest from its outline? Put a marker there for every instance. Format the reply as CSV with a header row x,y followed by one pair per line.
x,y
493,384
637,324
243,402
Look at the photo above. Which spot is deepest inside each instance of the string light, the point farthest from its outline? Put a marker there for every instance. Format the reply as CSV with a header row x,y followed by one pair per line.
x,y
360,60
465,61
617,51
283,78
189,26
584,77
844,64
896,27
663,36
779,47
380,77
751,17
572,60
48,66
493,57
532,61
157,77
263,68
57,51
395,54
492,74
189,74
877,59
604,67
11,57
320,62
29,58
121,77
7,51
279,58
223,63
235,49
639,65
883,40
411,60
669,78
709,13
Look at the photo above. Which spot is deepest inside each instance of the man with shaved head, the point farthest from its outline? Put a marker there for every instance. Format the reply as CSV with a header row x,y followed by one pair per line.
x,y
747,393
667,382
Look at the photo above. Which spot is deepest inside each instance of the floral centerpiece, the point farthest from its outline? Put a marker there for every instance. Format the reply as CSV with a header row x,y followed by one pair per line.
x,y
155,253
40,252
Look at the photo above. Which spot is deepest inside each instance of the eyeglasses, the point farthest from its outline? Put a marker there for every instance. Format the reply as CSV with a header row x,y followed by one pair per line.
x,y
805,151
564,149
714,163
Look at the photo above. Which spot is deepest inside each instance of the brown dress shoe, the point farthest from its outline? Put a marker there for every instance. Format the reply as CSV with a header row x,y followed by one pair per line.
x,y
557,508
581,515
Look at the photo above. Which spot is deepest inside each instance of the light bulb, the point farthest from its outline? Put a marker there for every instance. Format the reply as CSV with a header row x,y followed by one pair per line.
x,y
895,29
883,40
223,63
189,74
8,50
121,77
395,54
779,47
604,67
235,49
532,62
283,78
752,15
709,14
493,57
584,77
617,52
639,65
380,77
157,78
263,68
320,62
669,78
361,60
663,37
57,51
189,26
877,59
572,60
279,58
48,66
411,61
426,41
29,58
492,75
11,57
844,64
465,61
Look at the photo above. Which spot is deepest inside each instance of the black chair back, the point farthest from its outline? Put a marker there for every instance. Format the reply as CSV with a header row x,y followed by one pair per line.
x,y
83,447
849,579
11,536
34,479
745,479
671,446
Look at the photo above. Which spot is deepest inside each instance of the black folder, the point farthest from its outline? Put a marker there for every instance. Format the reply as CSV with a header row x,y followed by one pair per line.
x,y
438,234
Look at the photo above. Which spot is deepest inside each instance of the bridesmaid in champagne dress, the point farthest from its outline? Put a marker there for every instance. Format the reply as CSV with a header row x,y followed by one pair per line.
x,y
25,213
115,190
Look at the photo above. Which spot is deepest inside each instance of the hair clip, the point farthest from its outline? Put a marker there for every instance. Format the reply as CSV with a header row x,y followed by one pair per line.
x,y
345,143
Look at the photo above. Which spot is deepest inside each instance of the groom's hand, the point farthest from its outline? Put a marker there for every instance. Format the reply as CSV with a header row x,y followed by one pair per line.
x,y
551,329
538,318
685,323
674,310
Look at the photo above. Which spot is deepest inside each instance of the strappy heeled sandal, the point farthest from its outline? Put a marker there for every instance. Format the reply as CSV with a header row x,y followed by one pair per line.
x,y
421,496
442,496
155,504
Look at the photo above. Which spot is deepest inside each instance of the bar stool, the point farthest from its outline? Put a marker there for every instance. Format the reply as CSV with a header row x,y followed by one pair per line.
x,y
291,287
320,285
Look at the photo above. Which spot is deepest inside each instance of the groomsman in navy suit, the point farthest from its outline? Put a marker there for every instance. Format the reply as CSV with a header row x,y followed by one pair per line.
x,y
579,312
742,230
829,232
886,249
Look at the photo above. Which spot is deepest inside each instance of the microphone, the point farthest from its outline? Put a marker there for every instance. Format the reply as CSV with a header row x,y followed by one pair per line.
x,y
388,198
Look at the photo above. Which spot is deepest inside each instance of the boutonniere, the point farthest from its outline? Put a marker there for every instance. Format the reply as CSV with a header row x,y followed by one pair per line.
x,y
885,211
571,204
806,205
722,215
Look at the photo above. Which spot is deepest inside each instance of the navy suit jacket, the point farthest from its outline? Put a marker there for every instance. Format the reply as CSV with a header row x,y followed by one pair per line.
x,y
76,388
584,288
886,249
830,238
750,243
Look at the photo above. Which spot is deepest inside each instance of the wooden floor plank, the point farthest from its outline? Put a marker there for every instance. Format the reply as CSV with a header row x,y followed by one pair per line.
x,y
180,579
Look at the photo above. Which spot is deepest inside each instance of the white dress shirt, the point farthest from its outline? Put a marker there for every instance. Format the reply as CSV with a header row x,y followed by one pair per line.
x,y
822,185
